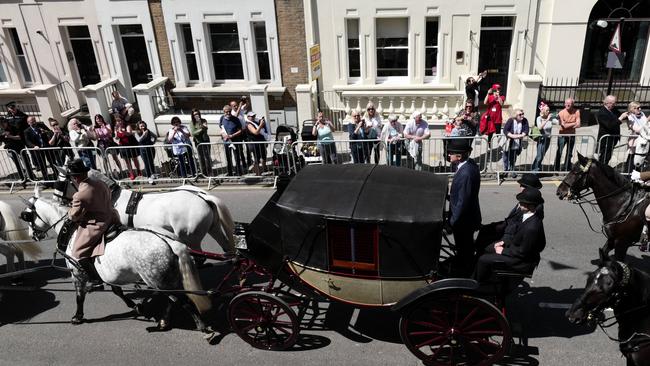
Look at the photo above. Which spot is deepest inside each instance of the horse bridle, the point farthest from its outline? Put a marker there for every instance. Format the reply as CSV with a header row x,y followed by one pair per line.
x,y
31,216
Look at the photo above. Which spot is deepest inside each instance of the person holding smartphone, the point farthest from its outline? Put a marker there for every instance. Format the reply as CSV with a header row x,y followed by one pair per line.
x,y
199,131
494,102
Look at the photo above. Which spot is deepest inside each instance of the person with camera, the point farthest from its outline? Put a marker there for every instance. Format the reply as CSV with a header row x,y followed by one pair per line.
x,y
80,136
359,130
373,120
416,130
257,135
492,119
393,138
36,138
324,130
61,139
11,137
232,134
146,139
199,130
472,89
179,137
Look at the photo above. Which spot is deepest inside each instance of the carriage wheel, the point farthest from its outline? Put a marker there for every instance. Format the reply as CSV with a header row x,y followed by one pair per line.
x,y
455,330
263,320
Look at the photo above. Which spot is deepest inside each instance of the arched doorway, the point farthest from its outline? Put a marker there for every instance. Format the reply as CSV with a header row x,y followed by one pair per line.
x,y
635,30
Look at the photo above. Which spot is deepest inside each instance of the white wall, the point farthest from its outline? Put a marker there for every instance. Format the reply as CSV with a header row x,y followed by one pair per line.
x,y
112,14
199,13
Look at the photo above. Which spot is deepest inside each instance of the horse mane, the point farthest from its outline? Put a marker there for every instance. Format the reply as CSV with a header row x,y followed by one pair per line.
x,y
611,174
644,287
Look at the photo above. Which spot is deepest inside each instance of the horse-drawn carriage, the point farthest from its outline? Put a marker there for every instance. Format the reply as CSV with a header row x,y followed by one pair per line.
x,y
369,236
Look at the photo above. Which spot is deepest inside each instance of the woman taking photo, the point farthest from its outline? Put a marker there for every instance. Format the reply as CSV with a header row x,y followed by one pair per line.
x,y
257,134
324,131
146,139
544,123
179,136
126,139
104,135
392,137
80,136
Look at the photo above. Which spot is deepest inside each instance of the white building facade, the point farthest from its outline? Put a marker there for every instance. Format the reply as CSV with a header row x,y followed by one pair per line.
x,y
416,55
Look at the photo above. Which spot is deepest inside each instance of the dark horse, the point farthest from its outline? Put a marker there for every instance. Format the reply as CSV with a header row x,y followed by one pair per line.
x,y
621,203
627,291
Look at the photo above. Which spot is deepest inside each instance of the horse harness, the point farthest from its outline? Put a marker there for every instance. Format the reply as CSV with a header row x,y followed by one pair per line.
x,y
132,206
636,341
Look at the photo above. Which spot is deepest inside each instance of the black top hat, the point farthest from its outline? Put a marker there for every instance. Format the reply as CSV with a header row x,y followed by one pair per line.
x,y
459,146
10,104
77,167
531,196
530,180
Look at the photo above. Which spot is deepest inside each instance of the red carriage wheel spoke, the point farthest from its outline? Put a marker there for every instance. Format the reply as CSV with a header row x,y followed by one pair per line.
x,y
468,317
428,342
479,322
426,332
429,325
437,351
477,349
263,320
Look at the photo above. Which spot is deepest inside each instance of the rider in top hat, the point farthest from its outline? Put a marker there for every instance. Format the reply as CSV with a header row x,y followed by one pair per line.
x,y
93,211
465,212
521,243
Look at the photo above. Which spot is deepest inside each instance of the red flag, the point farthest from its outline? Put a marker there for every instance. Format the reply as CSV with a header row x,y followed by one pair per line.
x,y
615,43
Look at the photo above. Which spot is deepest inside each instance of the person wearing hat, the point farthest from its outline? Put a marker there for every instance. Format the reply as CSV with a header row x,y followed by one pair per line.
x,y
494,103
491,232
465,211
93,211
521,244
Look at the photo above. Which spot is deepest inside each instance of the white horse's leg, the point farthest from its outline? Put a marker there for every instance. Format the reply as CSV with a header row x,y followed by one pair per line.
x,y
21,257
223,226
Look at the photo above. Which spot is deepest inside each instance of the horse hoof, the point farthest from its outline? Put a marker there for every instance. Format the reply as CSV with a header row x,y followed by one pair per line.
x,y
163,326
76,320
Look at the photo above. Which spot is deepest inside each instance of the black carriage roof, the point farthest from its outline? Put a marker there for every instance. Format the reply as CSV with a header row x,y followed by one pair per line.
x,y
367,193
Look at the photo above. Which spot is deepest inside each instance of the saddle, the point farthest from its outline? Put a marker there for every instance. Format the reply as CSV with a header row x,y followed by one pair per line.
x,y
69,227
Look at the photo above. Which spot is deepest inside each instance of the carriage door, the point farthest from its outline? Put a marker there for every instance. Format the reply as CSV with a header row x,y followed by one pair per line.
x,y
135,52
84,54
494,52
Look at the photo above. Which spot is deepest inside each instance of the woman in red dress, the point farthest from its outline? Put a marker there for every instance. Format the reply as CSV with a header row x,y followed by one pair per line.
x,y
494,103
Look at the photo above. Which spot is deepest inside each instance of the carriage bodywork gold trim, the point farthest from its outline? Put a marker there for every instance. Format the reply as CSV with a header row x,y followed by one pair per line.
x,y
358,290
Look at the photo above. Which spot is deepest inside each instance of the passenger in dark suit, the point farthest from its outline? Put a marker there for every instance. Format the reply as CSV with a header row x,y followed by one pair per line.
x,y
522,242
493,231
37,137
465,215
609,123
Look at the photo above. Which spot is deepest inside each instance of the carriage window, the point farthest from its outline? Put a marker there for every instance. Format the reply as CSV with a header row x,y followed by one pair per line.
x,y
353,248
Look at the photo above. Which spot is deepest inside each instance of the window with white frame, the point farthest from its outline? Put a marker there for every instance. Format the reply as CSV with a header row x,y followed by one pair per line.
x,y
431,48
190,54
392,46
20,55
226,52
262,51
354,54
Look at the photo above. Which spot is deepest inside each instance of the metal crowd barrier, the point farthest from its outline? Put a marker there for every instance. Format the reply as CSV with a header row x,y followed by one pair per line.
x,y
211,160
541,156
160,163
11,168
615,150
40,163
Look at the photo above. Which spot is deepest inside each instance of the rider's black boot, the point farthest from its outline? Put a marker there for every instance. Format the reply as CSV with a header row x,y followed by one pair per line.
x,y
93,277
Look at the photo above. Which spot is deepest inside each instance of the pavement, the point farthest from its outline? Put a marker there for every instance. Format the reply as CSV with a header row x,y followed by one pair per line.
x,y
35,328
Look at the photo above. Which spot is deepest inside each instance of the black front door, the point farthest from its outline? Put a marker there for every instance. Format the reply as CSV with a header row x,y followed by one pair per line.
x,y
84,54
494,52
135,52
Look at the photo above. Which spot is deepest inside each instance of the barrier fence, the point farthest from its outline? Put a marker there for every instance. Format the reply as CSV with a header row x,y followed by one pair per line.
x,y
265,160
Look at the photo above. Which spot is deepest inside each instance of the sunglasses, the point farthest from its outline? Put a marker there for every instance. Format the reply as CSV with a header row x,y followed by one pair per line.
x,y
370,109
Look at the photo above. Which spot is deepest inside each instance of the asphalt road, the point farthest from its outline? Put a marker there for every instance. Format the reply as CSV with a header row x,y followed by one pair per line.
x,y
35,329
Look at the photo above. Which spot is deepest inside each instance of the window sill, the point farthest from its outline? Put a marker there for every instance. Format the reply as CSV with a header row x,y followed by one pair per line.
x,y
228,89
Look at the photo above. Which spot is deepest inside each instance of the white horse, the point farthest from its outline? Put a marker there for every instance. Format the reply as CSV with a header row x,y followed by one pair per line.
x,y
188,212
17,241
137,255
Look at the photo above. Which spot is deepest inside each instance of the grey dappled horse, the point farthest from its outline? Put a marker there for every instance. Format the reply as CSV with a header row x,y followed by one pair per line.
x,y
133,256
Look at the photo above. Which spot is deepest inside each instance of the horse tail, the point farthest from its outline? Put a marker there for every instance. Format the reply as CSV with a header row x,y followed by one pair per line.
x,y
223,226
190,276
17,231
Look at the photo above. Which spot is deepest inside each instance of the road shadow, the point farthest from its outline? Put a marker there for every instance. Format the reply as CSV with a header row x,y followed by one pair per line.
x,y
538,312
